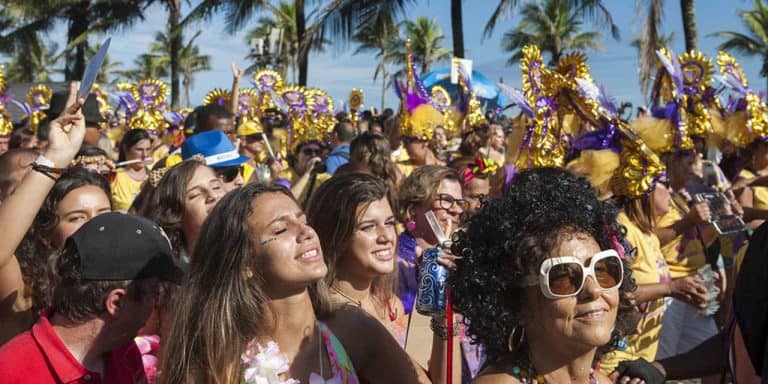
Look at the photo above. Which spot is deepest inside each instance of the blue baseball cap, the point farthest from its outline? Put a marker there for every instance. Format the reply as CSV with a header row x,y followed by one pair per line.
x,y
215,147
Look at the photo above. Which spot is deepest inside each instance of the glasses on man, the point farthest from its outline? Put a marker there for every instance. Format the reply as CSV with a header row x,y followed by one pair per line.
x,y
228,174
565,276
250,139
312,152
447,202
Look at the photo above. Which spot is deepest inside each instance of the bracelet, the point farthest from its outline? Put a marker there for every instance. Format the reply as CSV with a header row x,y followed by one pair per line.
x,y
440,329
50,172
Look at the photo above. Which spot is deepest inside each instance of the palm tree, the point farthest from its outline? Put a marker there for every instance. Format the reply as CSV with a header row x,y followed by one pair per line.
x,y
426,38
594,10
553,26
86,17
378,36
651,33
36,65
191,62
21,38
283,17
755,43
689,25
108,67
646,70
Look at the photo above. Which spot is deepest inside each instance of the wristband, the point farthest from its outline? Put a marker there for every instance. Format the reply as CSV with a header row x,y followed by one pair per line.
x,y
47,168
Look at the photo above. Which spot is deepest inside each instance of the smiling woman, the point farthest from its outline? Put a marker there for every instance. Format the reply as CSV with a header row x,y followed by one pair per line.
x,y
252,289
540,281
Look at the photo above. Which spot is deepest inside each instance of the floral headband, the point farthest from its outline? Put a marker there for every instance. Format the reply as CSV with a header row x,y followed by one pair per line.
x,y
480,167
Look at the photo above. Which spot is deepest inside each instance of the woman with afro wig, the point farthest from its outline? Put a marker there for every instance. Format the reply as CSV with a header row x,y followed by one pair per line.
x,y
541,282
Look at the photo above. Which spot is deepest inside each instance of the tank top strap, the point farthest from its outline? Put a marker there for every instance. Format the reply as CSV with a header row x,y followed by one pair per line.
x,y
341,365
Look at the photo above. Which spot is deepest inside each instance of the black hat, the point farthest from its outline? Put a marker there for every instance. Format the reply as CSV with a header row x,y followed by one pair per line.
x,y
90,108
118,246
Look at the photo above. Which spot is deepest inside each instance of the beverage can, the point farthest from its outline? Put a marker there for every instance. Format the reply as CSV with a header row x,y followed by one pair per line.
x,y
430,298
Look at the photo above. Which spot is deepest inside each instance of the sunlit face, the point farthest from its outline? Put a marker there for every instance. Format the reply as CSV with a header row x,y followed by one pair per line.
x,y
305,156
475,191
252,145
583,321
288,250
440,136
75,209
224,124
660,199
448,215
417,149
4,141
139,151
497,139
371,248
203,191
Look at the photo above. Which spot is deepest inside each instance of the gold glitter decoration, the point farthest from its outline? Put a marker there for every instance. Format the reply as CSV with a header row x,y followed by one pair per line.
x,y
38,99
218,96
573,66
639,168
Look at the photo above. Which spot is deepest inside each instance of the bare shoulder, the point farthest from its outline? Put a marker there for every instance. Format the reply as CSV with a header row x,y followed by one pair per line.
x,y
495,378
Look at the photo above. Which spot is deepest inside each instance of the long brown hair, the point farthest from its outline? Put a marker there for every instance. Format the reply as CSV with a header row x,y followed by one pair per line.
x,y
165,203
641,212
221,305
333,213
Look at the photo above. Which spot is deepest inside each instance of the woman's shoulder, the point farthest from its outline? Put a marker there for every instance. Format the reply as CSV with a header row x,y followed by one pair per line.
x,y
495,378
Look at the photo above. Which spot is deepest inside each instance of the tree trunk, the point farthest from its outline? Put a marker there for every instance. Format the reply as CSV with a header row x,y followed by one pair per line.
x,y
689,24
301,30
384,76
78,25
187,84
175,35
457,27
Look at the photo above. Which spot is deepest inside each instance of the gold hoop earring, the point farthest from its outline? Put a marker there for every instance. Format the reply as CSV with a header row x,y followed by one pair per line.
x,y
518,333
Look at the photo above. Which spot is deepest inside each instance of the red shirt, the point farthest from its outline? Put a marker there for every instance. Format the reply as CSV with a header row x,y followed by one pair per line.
x,y
39,356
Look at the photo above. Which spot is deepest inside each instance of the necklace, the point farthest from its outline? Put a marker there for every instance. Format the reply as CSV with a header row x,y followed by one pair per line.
x,y
530,376
359,303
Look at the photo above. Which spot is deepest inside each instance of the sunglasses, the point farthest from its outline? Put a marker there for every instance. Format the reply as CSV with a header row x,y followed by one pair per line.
x,y
312,152
253,138
228,174
447,202
565,276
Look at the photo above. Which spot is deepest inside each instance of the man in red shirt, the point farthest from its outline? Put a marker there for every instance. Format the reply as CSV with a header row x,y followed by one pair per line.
x,y
110,271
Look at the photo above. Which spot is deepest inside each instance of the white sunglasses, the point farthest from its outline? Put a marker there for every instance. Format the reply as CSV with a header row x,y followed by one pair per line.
x,y
565,276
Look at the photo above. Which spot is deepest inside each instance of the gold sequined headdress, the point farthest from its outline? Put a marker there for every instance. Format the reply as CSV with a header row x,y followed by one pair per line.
x,y
540,141
38,99
418,118
150,96
639,169
468,103
685,103
6,127
747,115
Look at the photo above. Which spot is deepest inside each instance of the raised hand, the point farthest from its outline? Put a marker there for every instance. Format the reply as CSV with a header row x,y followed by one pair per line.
x,y
237,73
67,131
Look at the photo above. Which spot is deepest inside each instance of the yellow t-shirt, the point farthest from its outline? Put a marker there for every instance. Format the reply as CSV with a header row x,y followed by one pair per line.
x,y
759,194
684,254
321,178
158,154
124,190
648,267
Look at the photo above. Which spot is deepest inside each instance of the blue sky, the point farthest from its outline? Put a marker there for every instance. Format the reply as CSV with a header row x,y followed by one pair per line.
x,y
615,66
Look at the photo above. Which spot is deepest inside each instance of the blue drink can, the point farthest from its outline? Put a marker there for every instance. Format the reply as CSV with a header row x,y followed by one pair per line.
x,y
430,299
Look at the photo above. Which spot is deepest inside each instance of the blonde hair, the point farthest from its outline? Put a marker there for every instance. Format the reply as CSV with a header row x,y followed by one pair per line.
x,y
421,185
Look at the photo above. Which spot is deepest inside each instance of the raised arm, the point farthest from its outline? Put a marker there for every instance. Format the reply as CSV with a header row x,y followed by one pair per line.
x,y
18,211
237,73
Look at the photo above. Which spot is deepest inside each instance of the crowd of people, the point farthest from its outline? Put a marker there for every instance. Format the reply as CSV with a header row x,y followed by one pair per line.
x,y
266,237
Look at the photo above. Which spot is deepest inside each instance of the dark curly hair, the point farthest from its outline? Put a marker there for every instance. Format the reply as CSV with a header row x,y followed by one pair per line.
x,y
510,237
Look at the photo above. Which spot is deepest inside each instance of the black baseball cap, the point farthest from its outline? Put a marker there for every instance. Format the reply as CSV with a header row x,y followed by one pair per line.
x,y
90,108
118,246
